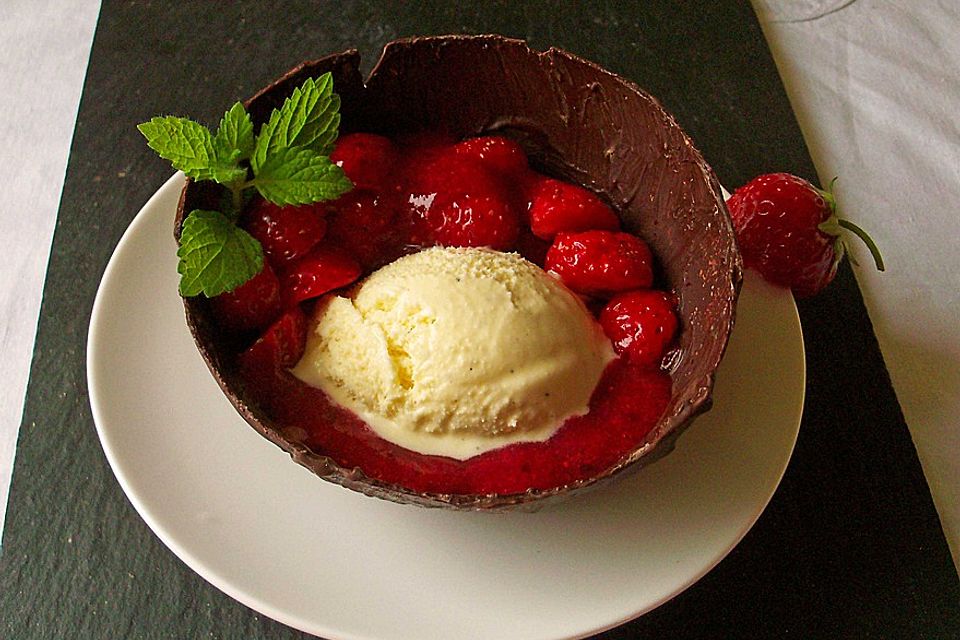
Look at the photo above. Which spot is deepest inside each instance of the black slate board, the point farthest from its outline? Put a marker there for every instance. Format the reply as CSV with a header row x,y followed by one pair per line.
x,y
850,547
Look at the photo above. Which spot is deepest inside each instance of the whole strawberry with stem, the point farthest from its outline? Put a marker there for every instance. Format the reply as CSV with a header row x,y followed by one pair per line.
x,y
790,232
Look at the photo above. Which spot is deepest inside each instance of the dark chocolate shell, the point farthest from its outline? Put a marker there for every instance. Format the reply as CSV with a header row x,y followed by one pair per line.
x,y
578,122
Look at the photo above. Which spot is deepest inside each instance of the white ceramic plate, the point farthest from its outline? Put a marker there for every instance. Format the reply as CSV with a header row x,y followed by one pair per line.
x,y
332,562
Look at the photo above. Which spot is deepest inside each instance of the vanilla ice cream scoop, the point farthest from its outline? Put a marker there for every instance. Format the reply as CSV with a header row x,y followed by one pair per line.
x,y
457,351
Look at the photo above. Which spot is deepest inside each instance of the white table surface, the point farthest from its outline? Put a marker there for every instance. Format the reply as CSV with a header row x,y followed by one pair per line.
x,y
876,89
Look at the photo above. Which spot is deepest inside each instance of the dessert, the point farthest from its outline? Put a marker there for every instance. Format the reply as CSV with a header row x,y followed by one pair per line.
x,y
459,366
628,153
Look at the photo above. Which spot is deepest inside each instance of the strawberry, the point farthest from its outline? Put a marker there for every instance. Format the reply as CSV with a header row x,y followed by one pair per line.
x,y
451,175
498,154
456,202
252,305
285,233
641,324
368,225
557,206
366,158
279,347
324,269
600,263
790,232
469,220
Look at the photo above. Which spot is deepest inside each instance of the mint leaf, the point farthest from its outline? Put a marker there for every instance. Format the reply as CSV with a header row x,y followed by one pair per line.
x,y
300,176
234,137
215,255
189,147
291,166
309,118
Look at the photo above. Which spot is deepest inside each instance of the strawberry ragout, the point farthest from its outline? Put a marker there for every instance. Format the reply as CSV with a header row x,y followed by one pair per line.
x,y
426,191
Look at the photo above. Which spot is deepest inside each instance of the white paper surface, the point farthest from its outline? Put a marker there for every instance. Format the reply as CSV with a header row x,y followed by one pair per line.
x,y
44,48
876,89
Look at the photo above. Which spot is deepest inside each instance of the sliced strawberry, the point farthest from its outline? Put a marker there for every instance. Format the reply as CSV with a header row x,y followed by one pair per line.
x,y
285,233
253,305
601,263
368,159
324,269
279,347
368,225
498,154
641,324
557,206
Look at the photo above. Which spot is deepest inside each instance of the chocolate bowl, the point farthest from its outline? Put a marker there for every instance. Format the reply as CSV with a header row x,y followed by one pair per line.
x,y
577,122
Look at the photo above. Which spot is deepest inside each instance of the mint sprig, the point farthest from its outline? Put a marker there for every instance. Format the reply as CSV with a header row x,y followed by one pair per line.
x,y
287,162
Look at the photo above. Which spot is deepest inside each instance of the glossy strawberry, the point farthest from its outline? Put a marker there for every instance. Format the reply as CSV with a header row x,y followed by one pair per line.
x,y
641,325
790,232
285,233
252,305
468,220
450,175
601,263
456,202
557,206
496,153
368,159
322,270
279,347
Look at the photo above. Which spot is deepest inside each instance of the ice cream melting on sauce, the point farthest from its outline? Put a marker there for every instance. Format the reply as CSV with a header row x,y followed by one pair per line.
x,y
455,352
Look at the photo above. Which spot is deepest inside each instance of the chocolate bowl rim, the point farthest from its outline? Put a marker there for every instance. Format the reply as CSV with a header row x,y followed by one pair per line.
x,y
659,442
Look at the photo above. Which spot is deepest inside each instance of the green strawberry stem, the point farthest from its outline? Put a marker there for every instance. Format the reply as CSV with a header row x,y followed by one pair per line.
x,y
835,224
867,240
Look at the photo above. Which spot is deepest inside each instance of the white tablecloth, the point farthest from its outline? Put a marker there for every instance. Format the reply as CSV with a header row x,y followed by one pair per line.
x,y
44,48
876,88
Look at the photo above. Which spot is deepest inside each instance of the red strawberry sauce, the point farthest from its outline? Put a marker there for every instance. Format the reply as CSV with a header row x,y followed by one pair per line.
x,y
431,191
625,406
